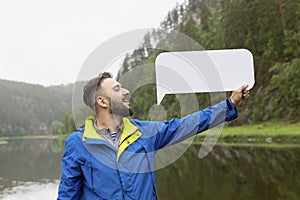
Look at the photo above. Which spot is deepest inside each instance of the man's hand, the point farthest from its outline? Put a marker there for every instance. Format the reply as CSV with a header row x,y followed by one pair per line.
x,y
239,95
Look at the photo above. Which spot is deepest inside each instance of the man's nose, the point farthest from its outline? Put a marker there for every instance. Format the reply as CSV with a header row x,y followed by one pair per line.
x,y
125,91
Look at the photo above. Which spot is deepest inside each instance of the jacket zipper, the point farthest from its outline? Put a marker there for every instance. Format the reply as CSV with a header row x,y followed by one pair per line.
x,y
120,179
117,165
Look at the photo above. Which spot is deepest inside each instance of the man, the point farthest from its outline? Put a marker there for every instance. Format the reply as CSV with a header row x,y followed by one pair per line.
x,y
112,157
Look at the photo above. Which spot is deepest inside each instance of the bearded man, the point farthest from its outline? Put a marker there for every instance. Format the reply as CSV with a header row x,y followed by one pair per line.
x,y
113,156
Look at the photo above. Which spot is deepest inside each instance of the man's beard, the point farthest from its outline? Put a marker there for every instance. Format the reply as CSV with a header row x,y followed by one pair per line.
x,y
118,108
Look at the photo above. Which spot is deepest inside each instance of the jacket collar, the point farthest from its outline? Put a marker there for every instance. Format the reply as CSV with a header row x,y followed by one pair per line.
x,y
128,129
90,132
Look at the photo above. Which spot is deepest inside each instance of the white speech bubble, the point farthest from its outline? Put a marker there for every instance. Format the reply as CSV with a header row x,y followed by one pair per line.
x,y
203,71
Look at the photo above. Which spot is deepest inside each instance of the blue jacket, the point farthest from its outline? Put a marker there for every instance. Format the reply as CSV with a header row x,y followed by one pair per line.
x,y
93,169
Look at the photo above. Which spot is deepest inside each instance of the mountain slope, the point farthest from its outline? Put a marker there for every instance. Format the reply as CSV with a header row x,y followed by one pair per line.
x,y
30,109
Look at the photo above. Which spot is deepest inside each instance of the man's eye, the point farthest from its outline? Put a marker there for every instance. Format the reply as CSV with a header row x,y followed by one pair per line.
x,y
117,88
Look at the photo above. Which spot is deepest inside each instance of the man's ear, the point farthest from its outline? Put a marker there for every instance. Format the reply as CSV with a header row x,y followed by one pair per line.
x,y
102,101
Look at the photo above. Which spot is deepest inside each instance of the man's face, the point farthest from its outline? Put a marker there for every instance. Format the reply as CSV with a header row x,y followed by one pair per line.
x,y
118,97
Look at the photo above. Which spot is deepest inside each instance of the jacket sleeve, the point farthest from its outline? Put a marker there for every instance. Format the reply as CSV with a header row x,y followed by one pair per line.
x,y
177,130
70,186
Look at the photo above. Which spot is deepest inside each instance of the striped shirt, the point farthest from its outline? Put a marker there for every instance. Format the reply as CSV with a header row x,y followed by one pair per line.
x,y
112,137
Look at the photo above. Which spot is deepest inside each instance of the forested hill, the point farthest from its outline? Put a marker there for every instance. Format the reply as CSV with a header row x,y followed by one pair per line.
x,y
270,29
34,109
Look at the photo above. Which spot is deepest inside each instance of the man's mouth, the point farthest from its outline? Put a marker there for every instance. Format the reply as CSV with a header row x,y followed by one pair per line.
x,y
126,100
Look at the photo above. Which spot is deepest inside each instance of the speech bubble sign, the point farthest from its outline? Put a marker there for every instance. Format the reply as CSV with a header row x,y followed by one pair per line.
x,y
203,71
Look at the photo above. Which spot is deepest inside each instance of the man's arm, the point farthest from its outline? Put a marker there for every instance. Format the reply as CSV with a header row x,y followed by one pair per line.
x,y
177,130
71,180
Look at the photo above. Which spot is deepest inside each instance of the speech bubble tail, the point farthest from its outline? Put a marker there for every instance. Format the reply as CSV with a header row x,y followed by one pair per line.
x,y
159,98
160,94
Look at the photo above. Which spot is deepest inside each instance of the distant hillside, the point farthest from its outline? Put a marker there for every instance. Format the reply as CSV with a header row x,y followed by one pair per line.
x,y
269,29
32,109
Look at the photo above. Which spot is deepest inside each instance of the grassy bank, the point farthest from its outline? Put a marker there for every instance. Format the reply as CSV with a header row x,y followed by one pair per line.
x,y
266,129
272,133
272,129
28,137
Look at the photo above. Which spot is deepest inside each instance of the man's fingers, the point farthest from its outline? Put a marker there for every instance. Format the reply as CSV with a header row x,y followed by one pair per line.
x,y
243,87
245,94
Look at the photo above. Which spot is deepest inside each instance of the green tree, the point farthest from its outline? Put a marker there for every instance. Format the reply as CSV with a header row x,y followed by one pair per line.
x,y
57,127
268,28
285,90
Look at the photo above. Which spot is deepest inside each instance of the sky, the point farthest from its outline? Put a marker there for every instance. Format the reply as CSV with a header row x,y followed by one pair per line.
x,y
47,41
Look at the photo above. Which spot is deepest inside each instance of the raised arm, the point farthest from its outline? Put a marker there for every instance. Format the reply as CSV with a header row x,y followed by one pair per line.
x,y
177,130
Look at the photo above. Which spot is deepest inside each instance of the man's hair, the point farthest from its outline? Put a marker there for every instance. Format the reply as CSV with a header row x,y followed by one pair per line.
x,y
92,87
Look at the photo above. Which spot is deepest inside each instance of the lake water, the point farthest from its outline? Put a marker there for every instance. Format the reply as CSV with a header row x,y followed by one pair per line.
x,y
30,169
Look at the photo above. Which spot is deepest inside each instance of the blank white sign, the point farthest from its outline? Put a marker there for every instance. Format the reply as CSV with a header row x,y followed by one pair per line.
x,y
203,71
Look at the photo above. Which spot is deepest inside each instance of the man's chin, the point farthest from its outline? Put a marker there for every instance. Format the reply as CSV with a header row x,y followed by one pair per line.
x,y
123,112
131,112
121,109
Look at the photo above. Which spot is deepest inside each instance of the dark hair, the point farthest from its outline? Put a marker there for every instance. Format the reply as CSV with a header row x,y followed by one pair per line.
x,y
91,87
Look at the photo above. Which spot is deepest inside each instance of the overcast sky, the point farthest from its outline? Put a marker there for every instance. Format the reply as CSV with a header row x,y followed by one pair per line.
x,y
47,41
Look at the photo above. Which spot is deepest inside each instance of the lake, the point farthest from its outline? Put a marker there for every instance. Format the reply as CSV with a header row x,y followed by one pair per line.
x,y
30,169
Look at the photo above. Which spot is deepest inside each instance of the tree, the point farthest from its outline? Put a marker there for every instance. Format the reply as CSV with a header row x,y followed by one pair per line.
x,y
57,127
285,90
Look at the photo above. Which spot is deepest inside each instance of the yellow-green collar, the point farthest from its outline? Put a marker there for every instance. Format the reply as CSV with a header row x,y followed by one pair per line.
x,y
90,132
129,134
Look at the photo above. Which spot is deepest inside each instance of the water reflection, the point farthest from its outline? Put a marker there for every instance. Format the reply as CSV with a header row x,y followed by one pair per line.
x,y
233,173
30,169
29,161
31,191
